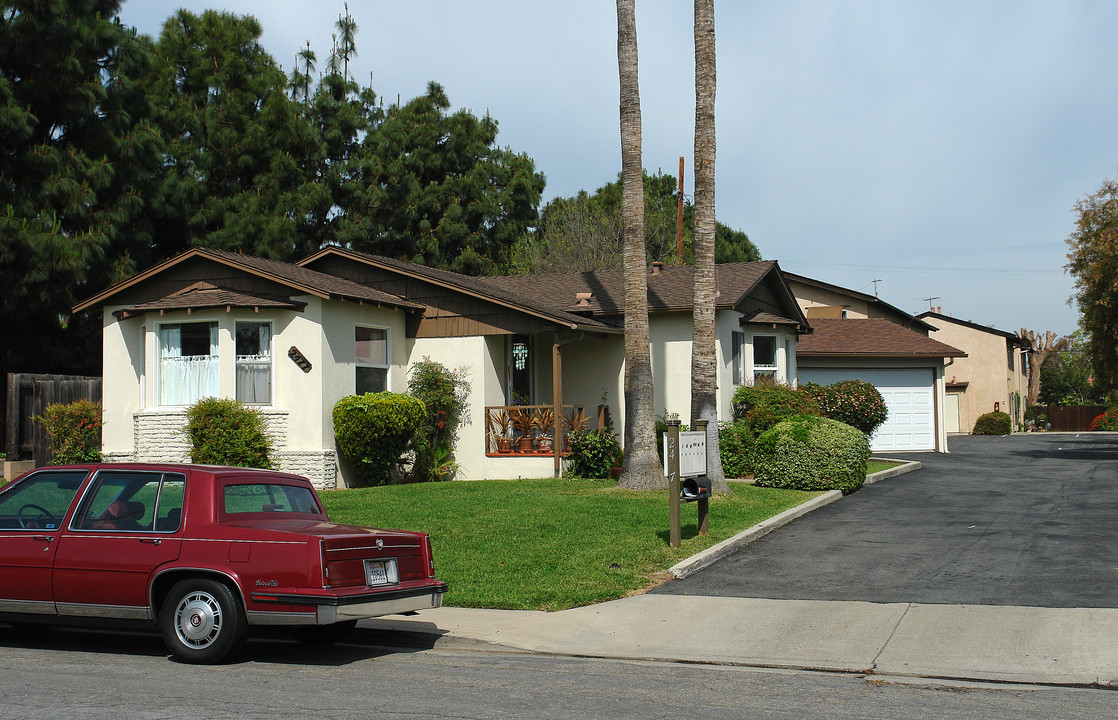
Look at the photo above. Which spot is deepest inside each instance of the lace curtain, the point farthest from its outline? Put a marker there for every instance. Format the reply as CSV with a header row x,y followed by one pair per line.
x,y
185,379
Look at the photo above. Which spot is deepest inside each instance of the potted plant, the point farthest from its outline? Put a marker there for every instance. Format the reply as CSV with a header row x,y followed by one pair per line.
x,y
522,421
544,420
501,423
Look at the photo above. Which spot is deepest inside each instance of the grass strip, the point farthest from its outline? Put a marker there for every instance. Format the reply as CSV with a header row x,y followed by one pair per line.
x,y
553,543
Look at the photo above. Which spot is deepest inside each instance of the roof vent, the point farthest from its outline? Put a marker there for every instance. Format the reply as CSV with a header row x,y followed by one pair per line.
x,y
584,298
657,267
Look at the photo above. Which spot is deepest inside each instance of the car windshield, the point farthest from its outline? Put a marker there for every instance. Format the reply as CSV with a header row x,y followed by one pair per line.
x,y
269,498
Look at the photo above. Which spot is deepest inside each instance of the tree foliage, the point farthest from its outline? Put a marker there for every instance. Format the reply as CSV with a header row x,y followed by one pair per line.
x,y
1093,262
583,232
1066,376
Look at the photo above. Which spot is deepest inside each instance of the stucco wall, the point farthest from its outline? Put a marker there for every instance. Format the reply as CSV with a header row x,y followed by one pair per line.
x,y
985,370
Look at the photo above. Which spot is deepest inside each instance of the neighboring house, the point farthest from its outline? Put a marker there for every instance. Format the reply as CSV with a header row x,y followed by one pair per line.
x,y
906,367
860,337
294,339
992,377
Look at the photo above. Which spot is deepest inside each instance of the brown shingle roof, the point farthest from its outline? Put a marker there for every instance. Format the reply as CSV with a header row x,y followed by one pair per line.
x,y
200,298
523,297
670,289
874,337
299,279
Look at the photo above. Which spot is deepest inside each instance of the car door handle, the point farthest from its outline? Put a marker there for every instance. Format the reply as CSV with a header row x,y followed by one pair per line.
x,y
151,541
43,538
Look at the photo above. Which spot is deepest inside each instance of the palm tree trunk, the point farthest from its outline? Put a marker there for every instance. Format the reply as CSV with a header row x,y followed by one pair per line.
x,y
641,468
704,367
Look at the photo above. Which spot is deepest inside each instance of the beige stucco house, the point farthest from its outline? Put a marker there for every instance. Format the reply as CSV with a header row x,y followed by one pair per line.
x,y
293,339
992,376
861,337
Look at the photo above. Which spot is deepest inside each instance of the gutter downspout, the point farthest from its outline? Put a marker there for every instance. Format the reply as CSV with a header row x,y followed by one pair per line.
x,y
557,395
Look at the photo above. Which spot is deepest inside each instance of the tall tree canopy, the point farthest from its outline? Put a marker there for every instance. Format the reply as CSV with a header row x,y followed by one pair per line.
x,y
75,150
1093,262
583,232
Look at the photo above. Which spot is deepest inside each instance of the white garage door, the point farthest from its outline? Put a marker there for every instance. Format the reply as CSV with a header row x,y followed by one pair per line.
x,y
909,396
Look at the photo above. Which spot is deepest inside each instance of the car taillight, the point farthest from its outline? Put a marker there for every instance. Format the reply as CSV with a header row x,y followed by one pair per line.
x,y
430,556
322,562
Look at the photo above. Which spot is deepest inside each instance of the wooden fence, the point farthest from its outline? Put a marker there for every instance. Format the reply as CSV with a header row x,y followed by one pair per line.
x,y
28,396
1069,418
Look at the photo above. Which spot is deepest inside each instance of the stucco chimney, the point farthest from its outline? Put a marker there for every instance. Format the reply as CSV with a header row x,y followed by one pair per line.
x,y
583,298
657,267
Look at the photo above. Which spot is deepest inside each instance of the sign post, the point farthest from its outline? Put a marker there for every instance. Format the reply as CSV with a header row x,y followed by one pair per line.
x,y
671,461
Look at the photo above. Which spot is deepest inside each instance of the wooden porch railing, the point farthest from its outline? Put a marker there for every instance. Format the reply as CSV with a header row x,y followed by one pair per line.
x,y
522,430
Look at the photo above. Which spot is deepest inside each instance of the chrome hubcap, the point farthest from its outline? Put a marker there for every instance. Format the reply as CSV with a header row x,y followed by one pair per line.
x,y
198,619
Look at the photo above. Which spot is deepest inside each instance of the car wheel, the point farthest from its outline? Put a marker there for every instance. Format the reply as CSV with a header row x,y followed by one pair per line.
x,y
323,634
202,621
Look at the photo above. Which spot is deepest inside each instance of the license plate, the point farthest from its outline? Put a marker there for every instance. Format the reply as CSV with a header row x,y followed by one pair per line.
x,y
381,572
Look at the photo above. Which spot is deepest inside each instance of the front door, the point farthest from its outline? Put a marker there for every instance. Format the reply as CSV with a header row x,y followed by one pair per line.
x,y
32,513
520,371
128,524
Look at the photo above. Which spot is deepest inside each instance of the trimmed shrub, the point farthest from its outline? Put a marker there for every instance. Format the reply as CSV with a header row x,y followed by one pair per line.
x,y
993,423
74,430
854,402
734,442
443,393
1107,421
225,432
767,402
372,432
811,453
593,453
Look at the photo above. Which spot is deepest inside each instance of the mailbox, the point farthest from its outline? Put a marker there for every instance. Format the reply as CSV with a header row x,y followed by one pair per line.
x,y
694,488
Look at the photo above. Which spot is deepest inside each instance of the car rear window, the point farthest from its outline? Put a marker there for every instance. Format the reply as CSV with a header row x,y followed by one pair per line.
x,y
269,498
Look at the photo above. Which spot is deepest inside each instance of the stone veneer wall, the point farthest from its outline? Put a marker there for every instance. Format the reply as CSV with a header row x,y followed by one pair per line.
x,y
158,437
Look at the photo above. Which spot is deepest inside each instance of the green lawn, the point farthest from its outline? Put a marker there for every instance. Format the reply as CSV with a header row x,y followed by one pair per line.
x,y
879,465
550,544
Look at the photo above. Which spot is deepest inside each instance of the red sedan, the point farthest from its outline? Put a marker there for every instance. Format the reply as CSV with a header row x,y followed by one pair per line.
x,y
204,552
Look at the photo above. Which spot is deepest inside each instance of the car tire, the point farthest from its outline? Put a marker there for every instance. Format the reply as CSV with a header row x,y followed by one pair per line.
x,y
202,622
323,634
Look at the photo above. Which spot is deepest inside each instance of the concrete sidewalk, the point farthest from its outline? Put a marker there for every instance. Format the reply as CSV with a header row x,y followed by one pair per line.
x,y
1076,647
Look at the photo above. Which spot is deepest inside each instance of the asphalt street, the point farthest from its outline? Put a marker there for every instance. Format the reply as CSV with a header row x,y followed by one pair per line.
x,y
1018,521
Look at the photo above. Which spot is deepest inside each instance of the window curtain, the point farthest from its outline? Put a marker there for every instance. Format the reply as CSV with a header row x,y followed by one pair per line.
x,y
254,371
185,379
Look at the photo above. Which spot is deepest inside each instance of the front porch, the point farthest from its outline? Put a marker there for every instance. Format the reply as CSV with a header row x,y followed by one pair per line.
x,y
531,430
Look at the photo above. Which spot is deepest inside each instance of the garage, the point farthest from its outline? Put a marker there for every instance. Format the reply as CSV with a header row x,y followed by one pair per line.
x,y
909,394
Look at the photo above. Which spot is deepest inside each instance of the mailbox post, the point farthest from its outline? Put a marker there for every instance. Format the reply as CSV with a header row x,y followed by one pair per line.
x,y
685,466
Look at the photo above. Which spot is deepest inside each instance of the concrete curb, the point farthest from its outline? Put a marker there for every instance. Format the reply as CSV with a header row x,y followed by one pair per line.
x,y
707,557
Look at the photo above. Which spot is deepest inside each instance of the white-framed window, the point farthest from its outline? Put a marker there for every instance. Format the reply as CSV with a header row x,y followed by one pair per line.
x,y
737,355
188,362
764,356
371,352
254,363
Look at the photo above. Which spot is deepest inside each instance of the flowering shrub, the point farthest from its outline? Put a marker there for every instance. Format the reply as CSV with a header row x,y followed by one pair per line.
x,y
1107,421
592,454
854,402
443,392
74,430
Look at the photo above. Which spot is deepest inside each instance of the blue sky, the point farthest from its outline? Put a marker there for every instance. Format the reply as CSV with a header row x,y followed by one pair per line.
x,y
937,147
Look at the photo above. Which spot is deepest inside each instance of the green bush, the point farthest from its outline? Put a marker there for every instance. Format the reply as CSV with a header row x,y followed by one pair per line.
x,y
443,393
854,402
592,454
734,442
372,432
225,432
767,402
811,453
74,430
993,423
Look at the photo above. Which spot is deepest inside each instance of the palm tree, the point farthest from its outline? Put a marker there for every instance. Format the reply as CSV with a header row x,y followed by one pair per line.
x,y
704,377
641,468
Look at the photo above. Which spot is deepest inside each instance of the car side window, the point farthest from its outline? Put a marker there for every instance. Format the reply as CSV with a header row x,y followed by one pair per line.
x,y
40,501
120,500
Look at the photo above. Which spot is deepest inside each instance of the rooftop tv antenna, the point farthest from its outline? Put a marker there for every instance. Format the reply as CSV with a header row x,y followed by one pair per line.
x,y
875,282
929,299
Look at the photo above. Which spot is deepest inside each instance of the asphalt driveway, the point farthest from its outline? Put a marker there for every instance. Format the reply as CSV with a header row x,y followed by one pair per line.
x,y
1029,520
